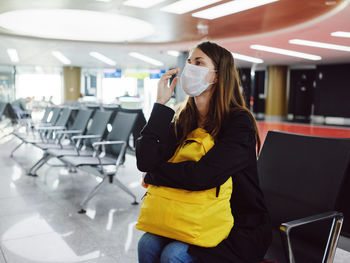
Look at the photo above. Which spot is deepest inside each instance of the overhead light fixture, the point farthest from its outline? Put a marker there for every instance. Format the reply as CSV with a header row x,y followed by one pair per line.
x,y
103,58
173,53
39,70
61,57
285,52
247,58
105,1
13,55
146,59
341,34
184,6
319,44
231,7
142,3
74,24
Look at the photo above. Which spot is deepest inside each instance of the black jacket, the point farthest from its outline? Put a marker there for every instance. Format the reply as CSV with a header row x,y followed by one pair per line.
x,y
232,155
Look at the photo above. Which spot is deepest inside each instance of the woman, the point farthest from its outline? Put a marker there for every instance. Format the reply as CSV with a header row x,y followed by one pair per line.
x,y
216,105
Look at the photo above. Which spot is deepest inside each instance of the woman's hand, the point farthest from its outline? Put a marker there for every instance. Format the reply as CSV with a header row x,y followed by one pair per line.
x,y
143,184
164,92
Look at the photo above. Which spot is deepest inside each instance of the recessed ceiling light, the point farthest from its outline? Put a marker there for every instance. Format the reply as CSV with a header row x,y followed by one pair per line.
x,y
39,69
230,8
247,58
341,34
146,59
13,55
330,2
73,24
184,6
173,53
61,57
103,58
319,44
285,52
142,3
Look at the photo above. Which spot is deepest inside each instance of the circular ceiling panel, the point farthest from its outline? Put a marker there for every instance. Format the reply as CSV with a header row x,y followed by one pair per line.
x,y
72,24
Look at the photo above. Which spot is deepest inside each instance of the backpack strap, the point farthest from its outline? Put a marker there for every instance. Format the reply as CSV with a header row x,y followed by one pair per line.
x,y
217,191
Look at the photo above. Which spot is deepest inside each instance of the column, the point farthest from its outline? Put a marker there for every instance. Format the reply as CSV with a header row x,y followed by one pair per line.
x,y
276,104
71,83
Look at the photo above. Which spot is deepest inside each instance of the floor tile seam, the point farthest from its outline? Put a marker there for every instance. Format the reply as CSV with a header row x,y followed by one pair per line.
x,y
23,195
3,254
29,236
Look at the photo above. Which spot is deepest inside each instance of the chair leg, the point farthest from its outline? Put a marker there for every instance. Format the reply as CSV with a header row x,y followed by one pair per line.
x,y
19,145
91,195
32,171
125,189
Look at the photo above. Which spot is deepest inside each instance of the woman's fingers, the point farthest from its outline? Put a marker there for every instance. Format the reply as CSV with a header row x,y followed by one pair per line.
x,y
164,91
173,83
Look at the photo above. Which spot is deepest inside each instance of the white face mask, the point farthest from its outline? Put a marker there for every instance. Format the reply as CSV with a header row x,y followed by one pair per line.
x,y
193,79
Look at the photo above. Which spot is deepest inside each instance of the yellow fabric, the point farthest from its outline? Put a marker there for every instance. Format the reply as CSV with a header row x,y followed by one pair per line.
x,y
194,217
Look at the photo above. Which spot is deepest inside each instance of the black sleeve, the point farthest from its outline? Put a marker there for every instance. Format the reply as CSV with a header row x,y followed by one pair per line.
x,y
153,146
229,155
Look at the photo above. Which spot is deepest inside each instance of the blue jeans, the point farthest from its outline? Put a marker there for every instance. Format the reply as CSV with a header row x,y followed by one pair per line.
x,y
158,249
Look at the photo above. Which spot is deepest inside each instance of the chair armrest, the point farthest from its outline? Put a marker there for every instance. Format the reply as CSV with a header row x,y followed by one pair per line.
x,y
52,128
286,227
96,144
43,125
93,136
69,132
333,237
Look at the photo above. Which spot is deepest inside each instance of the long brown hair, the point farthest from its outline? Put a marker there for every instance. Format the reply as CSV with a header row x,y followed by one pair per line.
x,y
226,97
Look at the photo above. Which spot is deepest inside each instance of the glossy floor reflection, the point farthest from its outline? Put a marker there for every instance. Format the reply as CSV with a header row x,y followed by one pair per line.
x,y
39,220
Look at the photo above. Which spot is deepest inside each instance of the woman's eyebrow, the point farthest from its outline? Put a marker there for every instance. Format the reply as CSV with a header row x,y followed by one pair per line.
x,y
196,58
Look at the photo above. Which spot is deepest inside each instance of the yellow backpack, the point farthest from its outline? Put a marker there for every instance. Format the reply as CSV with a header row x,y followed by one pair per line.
x,y
201,218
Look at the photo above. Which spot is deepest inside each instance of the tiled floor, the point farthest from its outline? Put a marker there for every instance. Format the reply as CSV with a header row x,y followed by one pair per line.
x,y
39,220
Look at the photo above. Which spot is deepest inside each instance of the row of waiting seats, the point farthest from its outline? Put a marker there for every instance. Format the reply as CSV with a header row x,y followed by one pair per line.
x,y
84,138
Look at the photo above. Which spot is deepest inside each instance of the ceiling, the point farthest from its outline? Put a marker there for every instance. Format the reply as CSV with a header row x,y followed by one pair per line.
x,y
273,25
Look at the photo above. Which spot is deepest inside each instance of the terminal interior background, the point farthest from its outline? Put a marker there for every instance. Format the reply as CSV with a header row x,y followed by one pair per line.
x,y
294,62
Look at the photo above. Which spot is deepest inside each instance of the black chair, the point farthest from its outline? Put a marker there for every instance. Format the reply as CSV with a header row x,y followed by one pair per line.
x,y
2,108
139,124
301,177
113,150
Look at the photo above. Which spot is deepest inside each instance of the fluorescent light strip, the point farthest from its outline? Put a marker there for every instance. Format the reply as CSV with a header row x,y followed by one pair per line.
x,y
341,34
103,58
61,57
13,55
173,53
247,58
285,52
230,8
142,3
319,44
146,59
184,6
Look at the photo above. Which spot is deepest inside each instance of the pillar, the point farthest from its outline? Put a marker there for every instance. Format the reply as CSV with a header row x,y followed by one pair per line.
x,y
276,104
71,83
